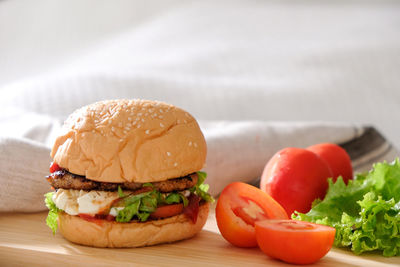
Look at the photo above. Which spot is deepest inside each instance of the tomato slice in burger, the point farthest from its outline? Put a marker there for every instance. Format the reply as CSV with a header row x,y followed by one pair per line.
x,y
239,206
167,211
294,241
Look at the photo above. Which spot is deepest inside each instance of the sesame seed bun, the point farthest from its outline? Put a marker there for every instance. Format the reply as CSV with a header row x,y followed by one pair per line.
x,y
130,141
133,234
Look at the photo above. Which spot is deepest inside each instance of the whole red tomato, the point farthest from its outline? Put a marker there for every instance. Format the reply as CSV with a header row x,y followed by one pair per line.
x,y
336,158
295,177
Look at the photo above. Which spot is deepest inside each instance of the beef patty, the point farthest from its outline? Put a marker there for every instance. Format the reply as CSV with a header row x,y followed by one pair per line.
x,y
66,180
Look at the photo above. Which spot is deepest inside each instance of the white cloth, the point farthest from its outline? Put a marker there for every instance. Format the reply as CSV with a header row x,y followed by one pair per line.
x,y
23,166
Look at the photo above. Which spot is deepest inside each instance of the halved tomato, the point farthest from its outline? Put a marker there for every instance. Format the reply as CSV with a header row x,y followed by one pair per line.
x,y
239,206
294,241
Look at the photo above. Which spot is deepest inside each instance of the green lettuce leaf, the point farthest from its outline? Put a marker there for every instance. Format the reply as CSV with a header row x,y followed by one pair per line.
x,y
139,205
51,219
120,192
365,212
176,198
128,212
143,216
148,204
201,189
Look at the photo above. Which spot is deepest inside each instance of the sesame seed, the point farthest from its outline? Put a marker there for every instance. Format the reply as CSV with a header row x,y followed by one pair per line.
x,y
129,118
128,124
161,116
139,114
142,120
184,121
121,140
147,131
137,119
190,143
160,110
175,164
113,129
125,132
151,110
162,125
195,144
138,126
109,121
168,154
127,128
133,123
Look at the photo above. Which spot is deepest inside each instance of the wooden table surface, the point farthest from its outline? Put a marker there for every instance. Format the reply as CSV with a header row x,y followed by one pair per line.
x,y
25,240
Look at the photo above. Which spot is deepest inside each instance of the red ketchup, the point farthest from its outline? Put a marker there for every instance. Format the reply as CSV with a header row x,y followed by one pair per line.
x,y
97,218
54,167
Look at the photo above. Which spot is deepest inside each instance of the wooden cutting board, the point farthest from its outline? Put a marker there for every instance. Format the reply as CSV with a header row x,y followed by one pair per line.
x,y
25,240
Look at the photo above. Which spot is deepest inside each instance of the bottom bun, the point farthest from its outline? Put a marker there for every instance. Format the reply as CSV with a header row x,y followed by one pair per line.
x,y
134,234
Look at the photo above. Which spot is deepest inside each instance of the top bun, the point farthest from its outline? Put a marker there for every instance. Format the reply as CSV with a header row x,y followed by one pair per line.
x,y
140,141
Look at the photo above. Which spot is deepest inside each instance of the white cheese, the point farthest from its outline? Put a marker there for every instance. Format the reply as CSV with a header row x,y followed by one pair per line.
x,y
66,200
114,210
74,202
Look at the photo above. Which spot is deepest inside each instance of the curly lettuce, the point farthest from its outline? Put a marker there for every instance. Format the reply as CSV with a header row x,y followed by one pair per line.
x,y
51,219
201,189
365,212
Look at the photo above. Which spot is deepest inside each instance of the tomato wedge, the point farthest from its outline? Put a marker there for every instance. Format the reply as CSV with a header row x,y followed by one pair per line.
x,y
239,207
167,211
294,241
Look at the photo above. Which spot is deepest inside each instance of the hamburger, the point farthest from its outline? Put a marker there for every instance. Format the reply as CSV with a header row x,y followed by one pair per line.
x,y
126,173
